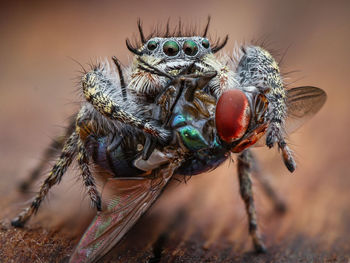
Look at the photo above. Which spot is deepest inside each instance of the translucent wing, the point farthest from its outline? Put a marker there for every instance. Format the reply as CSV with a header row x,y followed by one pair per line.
x,y
124,200
303,103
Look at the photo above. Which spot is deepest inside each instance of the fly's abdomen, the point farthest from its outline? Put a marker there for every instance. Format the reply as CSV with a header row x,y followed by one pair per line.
x,y
118,161
203,161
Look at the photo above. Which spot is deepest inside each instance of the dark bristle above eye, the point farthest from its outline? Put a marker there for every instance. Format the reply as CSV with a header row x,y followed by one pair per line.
x,y
219,46
206,28
176,31
131,48
142,36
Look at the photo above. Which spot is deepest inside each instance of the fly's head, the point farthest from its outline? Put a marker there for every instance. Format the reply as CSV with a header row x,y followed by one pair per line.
x,y
240,118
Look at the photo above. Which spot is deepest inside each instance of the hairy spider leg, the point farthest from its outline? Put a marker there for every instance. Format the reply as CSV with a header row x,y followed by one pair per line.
x,y
244,166
68,153
89,180
85,127
102,102
258,68
54,148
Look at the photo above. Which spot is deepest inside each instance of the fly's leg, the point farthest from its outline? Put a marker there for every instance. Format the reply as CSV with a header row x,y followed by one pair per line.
x,y
259,69
55,147
245,185
276,199
98,91
55,176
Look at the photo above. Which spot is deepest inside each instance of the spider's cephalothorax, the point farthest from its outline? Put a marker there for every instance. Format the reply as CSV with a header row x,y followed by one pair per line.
x,y
173,52
178,109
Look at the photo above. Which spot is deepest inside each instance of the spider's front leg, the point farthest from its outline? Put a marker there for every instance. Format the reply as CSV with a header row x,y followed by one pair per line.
x,y
259,69
98,90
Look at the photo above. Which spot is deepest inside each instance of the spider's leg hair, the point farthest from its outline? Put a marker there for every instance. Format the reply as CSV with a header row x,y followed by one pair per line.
x,y
68,153
88,179
101,100
246,191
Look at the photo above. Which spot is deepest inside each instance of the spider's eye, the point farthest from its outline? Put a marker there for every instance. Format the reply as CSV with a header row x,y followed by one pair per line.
x,y
190,48
205,43
171,48
152,45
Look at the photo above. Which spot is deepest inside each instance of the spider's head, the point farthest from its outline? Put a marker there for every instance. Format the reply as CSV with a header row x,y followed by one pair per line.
x,y
176,49
169,52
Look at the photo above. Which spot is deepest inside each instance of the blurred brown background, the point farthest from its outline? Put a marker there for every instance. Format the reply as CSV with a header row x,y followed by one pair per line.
x,y
40,39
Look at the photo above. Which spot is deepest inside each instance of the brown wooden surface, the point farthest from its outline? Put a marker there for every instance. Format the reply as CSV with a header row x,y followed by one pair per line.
x,y
203,220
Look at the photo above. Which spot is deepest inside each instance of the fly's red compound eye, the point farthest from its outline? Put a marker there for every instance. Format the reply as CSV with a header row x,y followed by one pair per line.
x,y
232,115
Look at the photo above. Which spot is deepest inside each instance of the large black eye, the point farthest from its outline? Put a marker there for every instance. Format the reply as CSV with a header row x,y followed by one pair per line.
x,y
171,48
152,45
205,43
190,48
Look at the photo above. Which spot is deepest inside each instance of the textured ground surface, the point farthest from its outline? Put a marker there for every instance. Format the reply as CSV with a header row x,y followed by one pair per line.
x,y
204,220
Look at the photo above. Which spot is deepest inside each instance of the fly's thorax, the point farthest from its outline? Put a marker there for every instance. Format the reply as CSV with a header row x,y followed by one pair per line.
x,y
194,122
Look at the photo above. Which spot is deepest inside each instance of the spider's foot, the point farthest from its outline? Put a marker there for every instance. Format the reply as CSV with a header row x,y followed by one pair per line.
x,y
260,247
98,203
18,222
288,158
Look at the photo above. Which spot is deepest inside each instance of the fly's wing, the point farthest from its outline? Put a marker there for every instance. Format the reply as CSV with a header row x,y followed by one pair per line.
x,y
124,200
302,103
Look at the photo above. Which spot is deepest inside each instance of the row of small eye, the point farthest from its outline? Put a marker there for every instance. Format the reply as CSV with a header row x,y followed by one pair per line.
x,y
171,48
